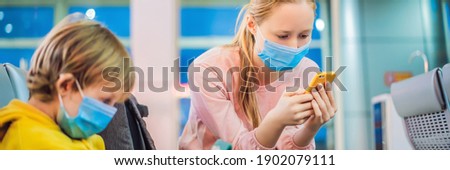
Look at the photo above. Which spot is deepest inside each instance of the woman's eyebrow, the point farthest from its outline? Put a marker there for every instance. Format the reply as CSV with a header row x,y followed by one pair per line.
x,y
308,30
288,32
282,32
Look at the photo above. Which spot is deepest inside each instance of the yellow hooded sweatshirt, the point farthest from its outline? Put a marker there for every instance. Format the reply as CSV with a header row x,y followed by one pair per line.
x,y
23,126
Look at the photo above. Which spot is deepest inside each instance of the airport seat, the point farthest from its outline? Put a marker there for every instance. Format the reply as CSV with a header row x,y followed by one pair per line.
x,y
446,79
423,104
12,84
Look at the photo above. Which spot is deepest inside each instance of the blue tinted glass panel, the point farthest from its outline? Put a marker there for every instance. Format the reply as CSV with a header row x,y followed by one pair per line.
x,y
24,22
116,18
14,56
186,58
210,21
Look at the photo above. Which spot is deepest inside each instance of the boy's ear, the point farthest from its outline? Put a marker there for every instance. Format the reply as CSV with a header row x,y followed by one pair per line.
x,y
65,83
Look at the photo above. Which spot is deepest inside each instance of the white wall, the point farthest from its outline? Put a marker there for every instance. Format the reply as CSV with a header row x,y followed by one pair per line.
x,y
153,44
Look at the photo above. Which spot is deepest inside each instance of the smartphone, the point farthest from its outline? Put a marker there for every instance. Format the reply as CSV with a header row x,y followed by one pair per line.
x,y
321,78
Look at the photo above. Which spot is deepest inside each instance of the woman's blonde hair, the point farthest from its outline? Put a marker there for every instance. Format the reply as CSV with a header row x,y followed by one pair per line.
x,y
244,39
82,47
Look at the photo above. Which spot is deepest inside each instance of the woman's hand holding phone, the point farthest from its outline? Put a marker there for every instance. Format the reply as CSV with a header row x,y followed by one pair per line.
x,y
323,103
324,106
293,108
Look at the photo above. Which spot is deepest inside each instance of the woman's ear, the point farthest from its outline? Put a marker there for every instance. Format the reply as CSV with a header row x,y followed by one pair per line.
x,y
65,83
251,24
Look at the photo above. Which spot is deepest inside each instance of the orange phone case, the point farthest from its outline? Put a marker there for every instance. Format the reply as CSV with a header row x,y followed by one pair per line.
x,y
320,78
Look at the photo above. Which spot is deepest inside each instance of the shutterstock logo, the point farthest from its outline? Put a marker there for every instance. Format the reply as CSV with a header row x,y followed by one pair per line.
x,y
208,78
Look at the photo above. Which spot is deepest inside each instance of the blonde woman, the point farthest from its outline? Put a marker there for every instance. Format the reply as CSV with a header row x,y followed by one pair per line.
x,y
69,96
253,108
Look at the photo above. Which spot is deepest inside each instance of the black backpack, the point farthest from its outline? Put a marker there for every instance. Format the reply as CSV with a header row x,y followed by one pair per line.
x,y
127,130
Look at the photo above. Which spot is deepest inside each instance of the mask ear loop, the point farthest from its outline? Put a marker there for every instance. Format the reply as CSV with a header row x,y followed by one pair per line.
x,y
61,103
79,88
258,32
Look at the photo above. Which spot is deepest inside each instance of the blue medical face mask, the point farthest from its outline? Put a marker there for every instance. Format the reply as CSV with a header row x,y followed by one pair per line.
x,y
93,117
280,57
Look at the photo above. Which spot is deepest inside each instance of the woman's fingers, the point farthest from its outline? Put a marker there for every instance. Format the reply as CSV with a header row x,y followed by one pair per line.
x,y
303,98
331,97
301,107
330,109
301,121
289,94
317,112
320,103
301,91
303,114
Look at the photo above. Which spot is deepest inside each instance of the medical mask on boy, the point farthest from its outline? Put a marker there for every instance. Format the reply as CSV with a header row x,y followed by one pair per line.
x,y
93,117
280,57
